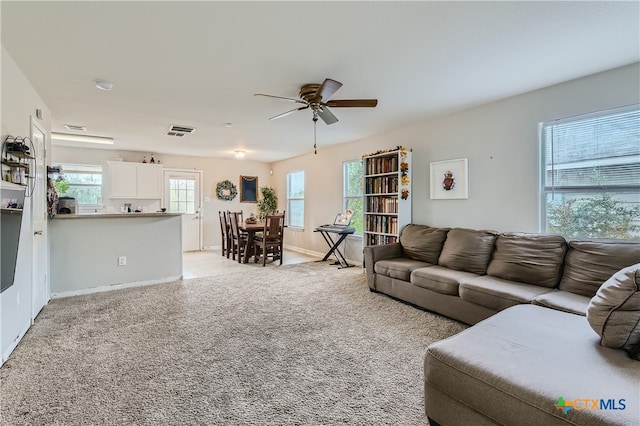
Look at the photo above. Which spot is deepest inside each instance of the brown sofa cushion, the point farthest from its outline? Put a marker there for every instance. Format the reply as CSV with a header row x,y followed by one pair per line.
x,y
528,258
614,312
467,250
422,242
590,263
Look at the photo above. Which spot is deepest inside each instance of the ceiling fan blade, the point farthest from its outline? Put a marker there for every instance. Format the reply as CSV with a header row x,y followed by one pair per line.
x,y
284,114
327,116
352,103
328,88
300,101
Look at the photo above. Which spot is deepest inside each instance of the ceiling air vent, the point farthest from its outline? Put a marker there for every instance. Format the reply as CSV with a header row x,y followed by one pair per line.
x,y
180,131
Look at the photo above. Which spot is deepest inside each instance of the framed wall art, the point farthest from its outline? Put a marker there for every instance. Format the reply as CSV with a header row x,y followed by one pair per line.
x,y
248,189
450,179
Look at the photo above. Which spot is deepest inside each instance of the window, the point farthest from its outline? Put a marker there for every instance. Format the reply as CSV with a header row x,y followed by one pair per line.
x,y
81,181
182,195
590,175
352,191
295,199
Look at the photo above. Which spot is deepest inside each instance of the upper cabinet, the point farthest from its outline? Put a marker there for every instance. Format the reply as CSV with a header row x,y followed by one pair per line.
x,y
135,180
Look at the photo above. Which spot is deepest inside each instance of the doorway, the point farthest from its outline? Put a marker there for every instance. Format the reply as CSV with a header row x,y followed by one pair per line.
x,y
40,283
183,194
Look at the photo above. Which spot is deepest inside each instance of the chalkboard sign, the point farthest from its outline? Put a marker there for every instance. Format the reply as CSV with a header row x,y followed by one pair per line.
x,y
248,189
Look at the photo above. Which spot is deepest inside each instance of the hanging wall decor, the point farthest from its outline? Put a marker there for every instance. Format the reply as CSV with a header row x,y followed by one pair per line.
x,y
450,179
248,189
226,190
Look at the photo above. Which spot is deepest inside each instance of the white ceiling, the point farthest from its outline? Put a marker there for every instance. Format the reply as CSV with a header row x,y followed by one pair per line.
x,y
199,64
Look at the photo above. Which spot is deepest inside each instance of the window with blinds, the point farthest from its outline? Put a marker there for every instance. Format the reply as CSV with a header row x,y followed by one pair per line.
x,y
591,175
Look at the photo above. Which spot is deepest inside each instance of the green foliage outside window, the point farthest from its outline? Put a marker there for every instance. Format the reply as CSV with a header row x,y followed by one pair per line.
x,y
600,216
353,193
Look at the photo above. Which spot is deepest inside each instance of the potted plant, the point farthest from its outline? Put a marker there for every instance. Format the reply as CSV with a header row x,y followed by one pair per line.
x,y
268,203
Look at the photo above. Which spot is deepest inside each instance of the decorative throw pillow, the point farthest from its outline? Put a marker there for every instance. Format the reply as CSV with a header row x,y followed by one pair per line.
x,y
422,242
614,312
467,250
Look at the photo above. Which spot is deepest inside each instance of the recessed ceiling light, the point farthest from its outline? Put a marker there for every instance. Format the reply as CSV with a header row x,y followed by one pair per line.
x,y
104,85
239,153
228,125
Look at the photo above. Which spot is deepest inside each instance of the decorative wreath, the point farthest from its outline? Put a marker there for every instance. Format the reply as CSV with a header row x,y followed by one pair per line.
x,y
226,190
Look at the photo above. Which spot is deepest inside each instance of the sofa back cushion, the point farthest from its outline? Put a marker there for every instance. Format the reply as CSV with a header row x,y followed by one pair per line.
x,y
422,242
467,250
614,312
528,258
589,263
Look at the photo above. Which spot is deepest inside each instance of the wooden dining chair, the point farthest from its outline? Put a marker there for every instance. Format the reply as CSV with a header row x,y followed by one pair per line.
x,y
225,233
238,239
271,240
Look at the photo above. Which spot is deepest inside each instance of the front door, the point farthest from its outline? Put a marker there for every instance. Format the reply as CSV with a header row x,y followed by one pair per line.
x,y
40,282
182,194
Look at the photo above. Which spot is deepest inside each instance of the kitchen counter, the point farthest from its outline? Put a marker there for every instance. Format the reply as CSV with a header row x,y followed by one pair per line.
x,y
113,215
113,250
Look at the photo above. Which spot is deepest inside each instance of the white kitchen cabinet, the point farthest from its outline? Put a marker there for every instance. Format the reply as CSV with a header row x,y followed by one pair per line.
x,y
135,180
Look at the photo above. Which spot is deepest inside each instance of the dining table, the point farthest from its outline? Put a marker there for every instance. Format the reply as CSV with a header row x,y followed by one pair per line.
x,y
251,229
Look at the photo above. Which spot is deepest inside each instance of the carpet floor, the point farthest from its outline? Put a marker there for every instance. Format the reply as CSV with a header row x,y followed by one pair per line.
x,y
294,344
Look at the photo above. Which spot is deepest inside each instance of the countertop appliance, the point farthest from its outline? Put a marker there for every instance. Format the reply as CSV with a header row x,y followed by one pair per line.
x,y
67,205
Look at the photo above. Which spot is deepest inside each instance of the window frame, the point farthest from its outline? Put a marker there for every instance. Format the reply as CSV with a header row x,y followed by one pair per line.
x,y
73,169
575,189
346,194
290,198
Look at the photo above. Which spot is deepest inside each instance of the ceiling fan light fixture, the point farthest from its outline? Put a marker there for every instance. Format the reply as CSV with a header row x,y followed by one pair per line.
x,y
104,85
239,153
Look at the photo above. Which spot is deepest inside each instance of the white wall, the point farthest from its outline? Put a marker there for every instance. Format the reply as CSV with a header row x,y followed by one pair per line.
x,y
19,103
500,140
214,170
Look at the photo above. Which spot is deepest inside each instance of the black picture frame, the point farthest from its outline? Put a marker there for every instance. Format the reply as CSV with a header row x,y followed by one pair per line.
x,y
248,189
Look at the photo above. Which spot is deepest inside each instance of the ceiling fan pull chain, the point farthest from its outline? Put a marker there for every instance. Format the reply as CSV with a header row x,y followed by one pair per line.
x,y
315,121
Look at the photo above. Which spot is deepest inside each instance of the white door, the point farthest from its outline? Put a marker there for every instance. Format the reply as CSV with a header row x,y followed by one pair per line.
x,y
40,282
182,194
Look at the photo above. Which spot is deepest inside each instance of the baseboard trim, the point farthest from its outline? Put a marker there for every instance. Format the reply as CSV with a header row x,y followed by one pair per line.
x,y
102,289
14,344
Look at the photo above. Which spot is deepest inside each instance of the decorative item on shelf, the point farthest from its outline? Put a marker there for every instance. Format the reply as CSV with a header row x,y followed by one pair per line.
x,y
404,173
18,161
385,151
268,203
226,190
144,159
152,161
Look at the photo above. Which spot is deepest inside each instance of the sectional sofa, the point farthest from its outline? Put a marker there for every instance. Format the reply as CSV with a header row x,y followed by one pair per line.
x,y
557,324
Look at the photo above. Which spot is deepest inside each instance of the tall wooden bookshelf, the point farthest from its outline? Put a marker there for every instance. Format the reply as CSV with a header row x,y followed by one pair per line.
x,y
387,195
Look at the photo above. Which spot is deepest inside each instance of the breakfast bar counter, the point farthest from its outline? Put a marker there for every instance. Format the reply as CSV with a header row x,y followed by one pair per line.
x,y
102,251
113,215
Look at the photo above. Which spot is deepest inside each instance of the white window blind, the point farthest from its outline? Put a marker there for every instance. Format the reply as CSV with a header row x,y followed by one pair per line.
x,y
598,151
591,173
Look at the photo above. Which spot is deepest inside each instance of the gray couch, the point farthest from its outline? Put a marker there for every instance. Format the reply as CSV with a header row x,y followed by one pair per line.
x,y
549,333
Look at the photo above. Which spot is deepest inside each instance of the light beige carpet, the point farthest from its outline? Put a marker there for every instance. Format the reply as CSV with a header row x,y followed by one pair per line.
x,y
297,344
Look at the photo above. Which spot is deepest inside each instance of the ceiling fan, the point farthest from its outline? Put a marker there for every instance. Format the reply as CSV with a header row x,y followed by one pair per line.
x,y
316,97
